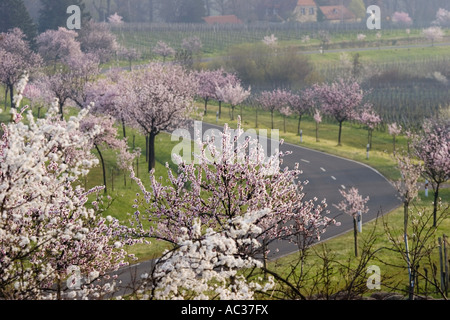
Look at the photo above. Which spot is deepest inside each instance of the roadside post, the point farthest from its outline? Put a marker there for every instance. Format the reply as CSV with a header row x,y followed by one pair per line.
x,y
359,221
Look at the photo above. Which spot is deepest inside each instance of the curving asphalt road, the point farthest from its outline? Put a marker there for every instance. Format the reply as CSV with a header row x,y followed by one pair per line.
x,y
326,175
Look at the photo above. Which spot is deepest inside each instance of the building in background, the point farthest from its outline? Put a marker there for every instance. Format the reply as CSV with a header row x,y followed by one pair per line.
x,y
306,11
228,19
337,14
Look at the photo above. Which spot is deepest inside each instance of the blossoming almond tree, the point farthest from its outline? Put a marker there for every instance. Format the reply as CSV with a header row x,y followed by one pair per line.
x,y
394,130
340,100
70,81
408,190
16,58
107,96
164,50
55,46
233,94
274,100
433,148
233,181
433,34
102,132
209,80
160,98
301,103
370,119
318,120
354,205
46,229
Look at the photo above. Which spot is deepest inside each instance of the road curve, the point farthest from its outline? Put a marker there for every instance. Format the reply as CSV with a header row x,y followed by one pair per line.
x,y
326,175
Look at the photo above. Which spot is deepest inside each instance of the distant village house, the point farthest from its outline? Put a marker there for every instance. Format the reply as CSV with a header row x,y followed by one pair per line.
x,y
309,11
229,19
337,14
306,11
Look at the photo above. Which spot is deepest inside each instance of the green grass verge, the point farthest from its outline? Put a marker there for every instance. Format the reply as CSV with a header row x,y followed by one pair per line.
x,y
394,274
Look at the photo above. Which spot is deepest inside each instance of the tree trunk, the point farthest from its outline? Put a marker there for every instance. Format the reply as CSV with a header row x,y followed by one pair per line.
x,y
317,132
11,96
435,204
355,233
123,128
405,239
103,166
220,109
272,118
340,133
206,106
146,147
6,96
394,143
151,151
61,111
299,123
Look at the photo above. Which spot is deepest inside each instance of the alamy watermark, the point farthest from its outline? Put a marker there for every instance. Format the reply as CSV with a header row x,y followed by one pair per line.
x,y
374,19
74,20
374,279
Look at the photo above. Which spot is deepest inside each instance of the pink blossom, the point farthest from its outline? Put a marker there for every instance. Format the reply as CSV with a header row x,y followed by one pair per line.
x,y
402,18
16,57
340,100
233,94
159,98
115,19
433,34
164,50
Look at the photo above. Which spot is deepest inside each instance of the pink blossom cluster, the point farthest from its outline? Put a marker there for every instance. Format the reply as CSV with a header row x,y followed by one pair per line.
x,y
353,202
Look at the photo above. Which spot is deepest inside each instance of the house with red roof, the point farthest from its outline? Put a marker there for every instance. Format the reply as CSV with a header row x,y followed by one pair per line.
x,y
228,19
337,14
306,11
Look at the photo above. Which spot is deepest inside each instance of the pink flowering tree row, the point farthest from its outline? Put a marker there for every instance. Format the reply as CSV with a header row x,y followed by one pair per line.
x,y
342,100
16,58
212,84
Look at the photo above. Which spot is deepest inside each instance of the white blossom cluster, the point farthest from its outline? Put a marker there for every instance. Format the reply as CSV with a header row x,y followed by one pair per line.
x,y
206,264
45,227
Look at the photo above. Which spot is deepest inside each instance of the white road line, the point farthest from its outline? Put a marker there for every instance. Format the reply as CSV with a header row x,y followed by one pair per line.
x,y
333,177
323,169
342,186
305,160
